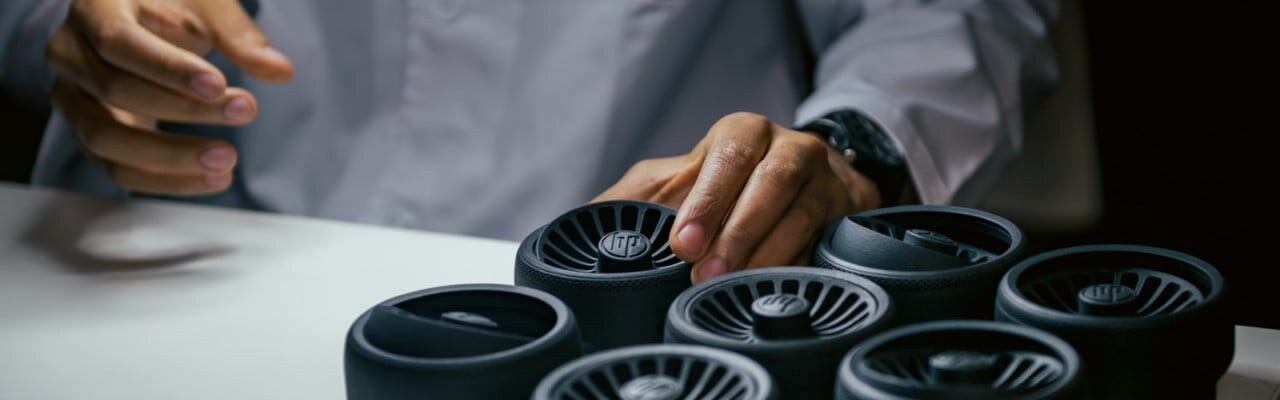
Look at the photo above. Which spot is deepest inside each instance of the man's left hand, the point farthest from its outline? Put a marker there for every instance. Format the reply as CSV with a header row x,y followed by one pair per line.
x,y
750,194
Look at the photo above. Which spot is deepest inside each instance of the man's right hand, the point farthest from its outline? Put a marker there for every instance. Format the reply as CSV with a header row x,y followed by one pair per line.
x,y
121,65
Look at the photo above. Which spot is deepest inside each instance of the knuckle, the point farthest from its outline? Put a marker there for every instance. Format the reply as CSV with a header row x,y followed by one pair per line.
x,y
108,35
735,233
733,154
783,171
810,146
111,88
746,120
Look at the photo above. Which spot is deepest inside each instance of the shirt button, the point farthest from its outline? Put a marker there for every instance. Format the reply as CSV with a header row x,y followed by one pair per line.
x,y
445,9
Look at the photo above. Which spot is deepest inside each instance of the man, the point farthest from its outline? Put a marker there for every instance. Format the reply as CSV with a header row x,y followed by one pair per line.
x,y
490,117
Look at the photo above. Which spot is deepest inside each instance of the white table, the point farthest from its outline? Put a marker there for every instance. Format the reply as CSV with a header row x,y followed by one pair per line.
x,y
152,300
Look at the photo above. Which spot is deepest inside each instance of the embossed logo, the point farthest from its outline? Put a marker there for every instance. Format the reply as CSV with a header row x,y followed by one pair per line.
x,y
780,304
1108,294
651,387
624,245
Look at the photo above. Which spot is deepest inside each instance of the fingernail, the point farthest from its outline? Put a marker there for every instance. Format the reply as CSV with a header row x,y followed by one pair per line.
x,y
218,158
691,238
239,110
217,180
711,269
207,86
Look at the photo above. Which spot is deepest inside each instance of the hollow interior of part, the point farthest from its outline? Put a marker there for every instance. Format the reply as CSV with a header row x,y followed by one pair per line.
x,y
458,324
970,237
660,375
1161,285
574,240
962,360
834,307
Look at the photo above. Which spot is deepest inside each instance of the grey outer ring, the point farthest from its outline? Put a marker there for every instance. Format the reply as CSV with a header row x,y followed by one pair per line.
x,y
1017,240
764,383
1068,354
679,319
1022,310
562,330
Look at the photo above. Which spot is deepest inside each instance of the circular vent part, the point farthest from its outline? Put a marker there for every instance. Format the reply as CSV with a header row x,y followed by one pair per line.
x,y
1111,302
458,342
793,320
612,263
961,359
938,262
658,372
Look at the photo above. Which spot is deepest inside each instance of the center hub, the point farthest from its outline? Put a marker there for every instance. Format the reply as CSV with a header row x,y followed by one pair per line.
x,y
931,240
624,251
963,366
651,387
1107,299
781,316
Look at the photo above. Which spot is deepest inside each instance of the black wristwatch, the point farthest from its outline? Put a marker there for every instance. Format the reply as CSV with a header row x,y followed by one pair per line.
x,y
867,147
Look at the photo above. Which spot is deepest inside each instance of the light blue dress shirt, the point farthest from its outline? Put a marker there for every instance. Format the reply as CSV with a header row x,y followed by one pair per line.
x,y
489,117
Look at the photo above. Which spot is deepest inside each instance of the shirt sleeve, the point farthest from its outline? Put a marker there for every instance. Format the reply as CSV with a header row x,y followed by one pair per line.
x,y
949,81
25,28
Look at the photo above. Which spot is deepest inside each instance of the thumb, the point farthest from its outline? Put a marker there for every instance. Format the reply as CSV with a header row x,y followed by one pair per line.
x,y
238,37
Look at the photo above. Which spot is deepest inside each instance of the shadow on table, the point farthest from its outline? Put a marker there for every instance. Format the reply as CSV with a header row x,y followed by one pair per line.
x,y
102,236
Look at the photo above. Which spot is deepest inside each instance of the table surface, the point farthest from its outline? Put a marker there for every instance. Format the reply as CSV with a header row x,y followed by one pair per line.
x,y
152,300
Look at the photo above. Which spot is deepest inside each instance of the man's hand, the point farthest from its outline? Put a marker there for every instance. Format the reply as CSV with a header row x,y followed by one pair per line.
x,y
122,65
750,194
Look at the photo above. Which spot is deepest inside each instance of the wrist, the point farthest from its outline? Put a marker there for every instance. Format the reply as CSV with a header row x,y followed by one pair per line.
x,y
867,149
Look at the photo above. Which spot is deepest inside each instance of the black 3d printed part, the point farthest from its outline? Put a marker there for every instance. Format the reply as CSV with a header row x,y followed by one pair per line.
x,y
961,359
796,321
1149,323
458,342
611,263
938,262
658,372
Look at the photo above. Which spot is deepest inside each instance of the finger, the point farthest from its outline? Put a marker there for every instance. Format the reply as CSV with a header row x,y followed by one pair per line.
x,y
238,37
738,142
176,23
777,180
103,136
144,181
118,38
663,181
74,61
792,236
130,92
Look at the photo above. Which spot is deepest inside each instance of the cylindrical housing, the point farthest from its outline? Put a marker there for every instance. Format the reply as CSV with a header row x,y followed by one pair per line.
x,y
758,313
961,359
611,263
1149,323
938,262
458,342
658,372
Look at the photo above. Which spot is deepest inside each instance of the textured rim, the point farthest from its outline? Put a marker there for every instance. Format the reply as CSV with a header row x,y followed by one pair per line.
x,y
865,306
986,220
561,330
652,220
1013,297
713,373
1031,371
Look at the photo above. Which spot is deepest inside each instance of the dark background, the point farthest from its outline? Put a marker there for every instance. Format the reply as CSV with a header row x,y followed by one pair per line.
x,y
1184,96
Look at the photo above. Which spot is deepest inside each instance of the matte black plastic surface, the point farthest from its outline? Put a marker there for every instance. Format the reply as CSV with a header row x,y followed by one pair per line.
x,y
961,359
796,321
938,262
458,342
611,263
658,372
1149,323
